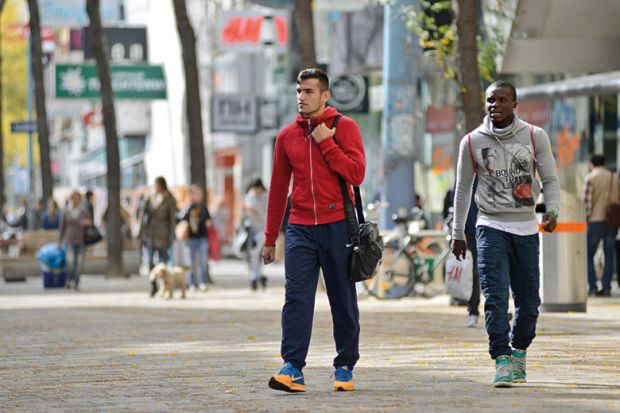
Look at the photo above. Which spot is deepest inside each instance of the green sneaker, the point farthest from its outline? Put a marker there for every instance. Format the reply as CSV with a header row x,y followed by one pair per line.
x,y
503,372
518,366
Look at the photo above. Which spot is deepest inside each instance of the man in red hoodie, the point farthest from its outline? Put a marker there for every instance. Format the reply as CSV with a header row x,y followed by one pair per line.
x,y
315,153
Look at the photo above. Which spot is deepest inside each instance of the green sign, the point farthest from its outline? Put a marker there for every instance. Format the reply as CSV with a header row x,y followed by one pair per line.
x,y
128,82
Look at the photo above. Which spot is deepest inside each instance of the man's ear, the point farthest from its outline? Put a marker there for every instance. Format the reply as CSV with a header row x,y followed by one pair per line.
x,y
326,95
515,106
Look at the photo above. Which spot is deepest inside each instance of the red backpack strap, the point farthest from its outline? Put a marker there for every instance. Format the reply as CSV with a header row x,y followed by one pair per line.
x,y
471,154
534,146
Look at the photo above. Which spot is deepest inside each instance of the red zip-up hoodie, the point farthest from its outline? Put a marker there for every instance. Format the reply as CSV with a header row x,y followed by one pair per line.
x,y
317,198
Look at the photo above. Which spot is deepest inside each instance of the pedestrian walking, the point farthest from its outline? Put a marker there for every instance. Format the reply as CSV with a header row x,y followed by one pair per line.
x,y
73,225
196,214
600,190
505,153
315,153
157,223
254,210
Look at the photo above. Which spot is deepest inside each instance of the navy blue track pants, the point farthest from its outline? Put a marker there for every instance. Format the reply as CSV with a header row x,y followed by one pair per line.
x,y
307,249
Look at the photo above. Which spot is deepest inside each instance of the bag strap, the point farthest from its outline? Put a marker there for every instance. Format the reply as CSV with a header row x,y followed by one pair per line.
x,y
534,146
471,154
350,212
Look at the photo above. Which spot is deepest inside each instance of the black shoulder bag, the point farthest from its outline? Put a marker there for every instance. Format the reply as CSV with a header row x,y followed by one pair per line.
x,y
365,239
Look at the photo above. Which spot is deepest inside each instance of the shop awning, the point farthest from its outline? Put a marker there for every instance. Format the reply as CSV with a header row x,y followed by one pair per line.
x,y
599,84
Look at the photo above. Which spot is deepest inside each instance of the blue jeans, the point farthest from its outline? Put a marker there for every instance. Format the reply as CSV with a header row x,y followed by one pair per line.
x,y
507,260
198,257
75,259
598,231
308,248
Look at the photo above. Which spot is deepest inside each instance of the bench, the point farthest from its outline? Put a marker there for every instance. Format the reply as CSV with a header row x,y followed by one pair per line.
x,y
18,268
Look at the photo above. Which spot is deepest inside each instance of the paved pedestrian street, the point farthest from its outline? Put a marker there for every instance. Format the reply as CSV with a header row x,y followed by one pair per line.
x,y
110,348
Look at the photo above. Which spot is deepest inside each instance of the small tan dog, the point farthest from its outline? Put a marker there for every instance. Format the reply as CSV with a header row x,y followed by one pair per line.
x,y
169,279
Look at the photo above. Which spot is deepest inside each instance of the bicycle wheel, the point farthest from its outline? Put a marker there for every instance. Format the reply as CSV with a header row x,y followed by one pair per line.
x,y
396,276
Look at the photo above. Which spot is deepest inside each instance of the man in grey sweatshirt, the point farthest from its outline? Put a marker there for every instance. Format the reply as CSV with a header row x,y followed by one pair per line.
x,y
505,153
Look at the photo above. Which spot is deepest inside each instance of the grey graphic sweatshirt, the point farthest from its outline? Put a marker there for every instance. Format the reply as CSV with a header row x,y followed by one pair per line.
x,y
506,162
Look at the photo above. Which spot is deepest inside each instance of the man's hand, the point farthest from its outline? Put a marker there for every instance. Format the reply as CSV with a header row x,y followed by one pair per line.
x,y
322,132
269,255
548,222
459,246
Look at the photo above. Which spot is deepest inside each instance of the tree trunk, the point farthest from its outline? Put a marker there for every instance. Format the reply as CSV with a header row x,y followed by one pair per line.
x,y
305,33
468,72
2,194
36,51
113,230
193,107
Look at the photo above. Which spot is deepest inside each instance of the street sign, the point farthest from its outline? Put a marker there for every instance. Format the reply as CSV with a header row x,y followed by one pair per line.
x,y
128,82
24,126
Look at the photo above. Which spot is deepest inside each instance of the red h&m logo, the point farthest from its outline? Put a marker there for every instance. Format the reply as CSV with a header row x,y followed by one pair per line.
x,y
455,274
241,29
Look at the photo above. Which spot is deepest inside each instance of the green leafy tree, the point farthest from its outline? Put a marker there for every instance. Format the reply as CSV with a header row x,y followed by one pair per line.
x,y
465,51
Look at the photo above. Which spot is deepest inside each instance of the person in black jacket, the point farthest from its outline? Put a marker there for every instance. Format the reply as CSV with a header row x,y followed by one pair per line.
x,y
198,217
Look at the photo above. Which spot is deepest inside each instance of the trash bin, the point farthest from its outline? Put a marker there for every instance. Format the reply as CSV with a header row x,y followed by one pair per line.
x,y
563,259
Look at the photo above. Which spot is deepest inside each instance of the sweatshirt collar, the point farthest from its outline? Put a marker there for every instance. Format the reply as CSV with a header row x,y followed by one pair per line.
x,y
330,113
487,128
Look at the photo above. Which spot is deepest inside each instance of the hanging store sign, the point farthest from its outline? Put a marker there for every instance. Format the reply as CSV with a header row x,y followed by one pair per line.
x,y
128,82
245,31
125,44
234,113
349,93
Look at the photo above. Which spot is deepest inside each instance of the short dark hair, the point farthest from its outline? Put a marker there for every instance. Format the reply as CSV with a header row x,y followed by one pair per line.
x,y
314,73
507,85
597,159
88,194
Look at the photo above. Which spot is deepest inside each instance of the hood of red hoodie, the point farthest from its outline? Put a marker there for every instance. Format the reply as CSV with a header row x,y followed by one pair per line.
x,y
329,114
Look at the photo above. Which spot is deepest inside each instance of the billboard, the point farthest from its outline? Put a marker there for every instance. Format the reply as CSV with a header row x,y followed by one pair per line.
x,y
72,13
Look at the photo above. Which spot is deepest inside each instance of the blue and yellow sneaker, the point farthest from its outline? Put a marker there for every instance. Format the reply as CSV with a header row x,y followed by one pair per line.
x,y
343,379
289,379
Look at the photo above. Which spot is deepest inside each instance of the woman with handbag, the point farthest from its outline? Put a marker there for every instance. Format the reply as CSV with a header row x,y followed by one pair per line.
x,y
254,209
158,221
73,225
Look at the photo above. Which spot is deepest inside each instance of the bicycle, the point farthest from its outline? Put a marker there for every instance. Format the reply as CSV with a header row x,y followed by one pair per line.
x,y
411,257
